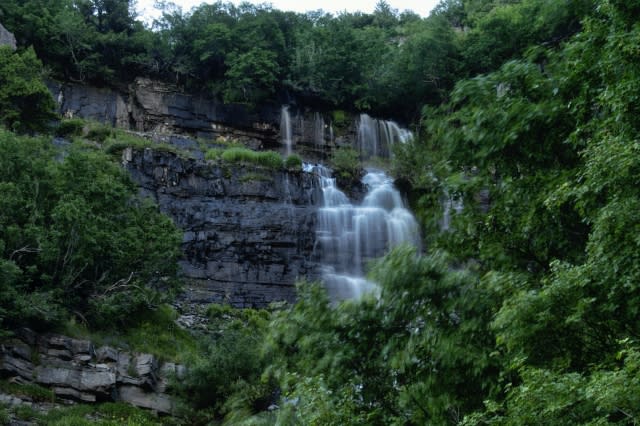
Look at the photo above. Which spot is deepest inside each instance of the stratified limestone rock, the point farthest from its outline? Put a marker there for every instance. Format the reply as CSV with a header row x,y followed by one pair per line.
x,y
249,232
7,38
74,370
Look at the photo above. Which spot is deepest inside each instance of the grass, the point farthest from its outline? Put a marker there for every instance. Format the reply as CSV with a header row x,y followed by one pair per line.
x,y
293,162
107,414
268,159
240,155
214,154
156,333
346,163
32,391
111,140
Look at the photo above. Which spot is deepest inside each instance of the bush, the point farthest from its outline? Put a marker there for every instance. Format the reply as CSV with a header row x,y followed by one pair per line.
x,y
227,373
70,127
100,132
269,159
293,162
26,104
346,163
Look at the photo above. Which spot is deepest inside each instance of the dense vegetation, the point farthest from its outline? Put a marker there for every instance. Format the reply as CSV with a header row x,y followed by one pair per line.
x,y
525,311
387,63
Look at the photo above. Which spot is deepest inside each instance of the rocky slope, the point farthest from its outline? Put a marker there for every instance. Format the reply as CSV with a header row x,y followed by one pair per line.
x,y
76,370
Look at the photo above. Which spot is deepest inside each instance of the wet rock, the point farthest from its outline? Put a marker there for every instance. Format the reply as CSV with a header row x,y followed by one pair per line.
x,y
249,232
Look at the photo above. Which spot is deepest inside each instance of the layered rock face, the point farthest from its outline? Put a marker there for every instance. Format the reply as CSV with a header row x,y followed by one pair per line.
x,y
7,38
160,108
76,370
249,232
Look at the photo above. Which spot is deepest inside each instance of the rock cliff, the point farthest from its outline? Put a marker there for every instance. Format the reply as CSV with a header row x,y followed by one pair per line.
x,y
7,38
76,370
249,232
159,108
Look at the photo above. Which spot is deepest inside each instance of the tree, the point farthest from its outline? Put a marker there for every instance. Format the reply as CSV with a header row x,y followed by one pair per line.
x,y
74,236
25,102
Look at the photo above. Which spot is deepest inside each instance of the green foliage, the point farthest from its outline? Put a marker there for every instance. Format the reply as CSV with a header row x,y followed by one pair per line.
x,y
152,331
373,361
251,77
32,391
68,128
268,159
225,376
25,102
99,132
75,238
214,154
346,163
293,162
106,414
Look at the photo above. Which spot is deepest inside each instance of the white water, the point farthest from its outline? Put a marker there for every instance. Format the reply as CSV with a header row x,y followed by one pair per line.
x,y
376,137
286,129
350,235
318,129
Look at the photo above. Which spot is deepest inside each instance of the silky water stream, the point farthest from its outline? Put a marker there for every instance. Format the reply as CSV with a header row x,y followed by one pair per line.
x,y
349,235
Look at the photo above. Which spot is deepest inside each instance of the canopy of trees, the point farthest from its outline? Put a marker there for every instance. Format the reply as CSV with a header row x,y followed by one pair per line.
x,y
387,63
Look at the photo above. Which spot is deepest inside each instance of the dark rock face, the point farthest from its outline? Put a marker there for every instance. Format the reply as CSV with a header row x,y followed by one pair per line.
x,y
7,38
74,369
160,108
249,232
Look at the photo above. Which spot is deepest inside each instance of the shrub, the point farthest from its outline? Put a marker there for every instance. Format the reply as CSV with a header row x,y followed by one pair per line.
x,y
269,159
26,104
293,162
346,163
82,242
70,127
99,132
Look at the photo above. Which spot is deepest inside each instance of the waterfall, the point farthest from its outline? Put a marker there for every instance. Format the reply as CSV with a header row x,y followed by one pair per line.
x,y
286,129
350,235
375,137
318,129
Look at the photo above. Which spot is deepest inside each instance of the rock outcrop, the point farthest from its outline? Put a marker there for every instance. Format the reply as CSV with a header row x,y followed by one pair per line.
x,y
249,232
7,38
159,108
76,370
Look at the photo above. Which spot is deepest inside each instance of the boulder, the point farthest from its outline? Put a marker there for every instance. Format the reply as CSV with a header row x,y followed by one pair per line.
x,y
7,38
77,372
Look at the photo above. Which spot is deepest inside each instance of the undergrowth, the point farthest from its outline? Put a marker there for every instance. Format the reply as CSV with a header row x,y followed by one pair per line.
x,y
155,333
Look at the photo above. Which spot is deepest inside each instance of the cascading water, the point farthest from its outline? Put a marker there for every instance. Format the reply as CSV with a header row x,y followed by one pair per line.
x,y
286,129
375,137
348,235
318,129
